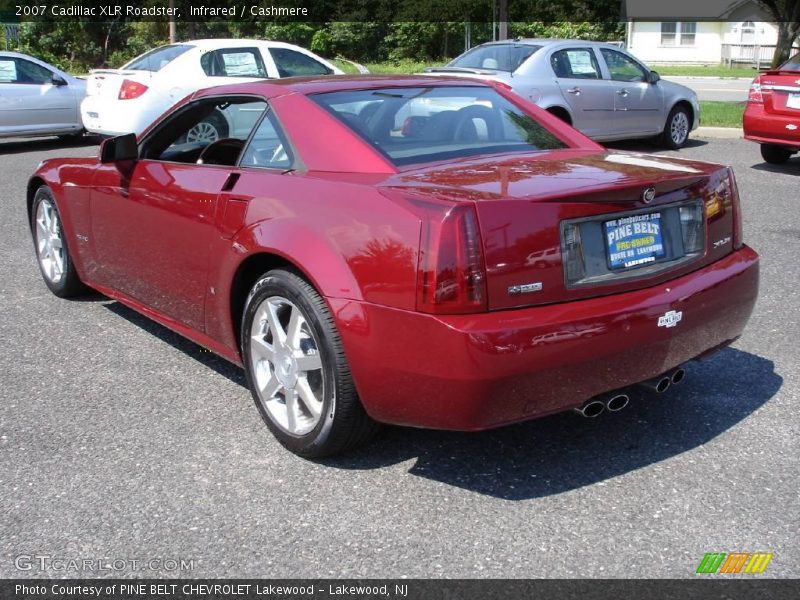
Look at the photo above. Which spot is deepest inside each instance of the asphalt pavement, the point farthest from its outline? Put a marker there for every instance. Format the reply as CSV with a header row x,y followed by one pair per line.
x,y
119,440
716,88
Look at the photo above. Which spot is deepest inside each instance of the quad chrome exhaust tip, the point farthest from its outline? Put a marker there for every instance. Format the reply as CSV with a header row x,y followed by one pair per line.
x,y
661,383
617,402
677,376
658,384
594,408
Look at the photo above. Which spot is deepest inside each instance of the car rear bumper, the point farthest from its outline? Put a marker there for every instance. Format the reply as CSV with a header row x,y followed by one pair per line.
x,y
470,372
111,117
769,128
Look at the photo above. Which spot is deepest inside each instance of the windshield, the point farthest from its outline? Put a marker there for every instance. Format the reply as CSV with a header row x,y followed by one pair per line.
x,y
424,124
793,64
499,57
157,59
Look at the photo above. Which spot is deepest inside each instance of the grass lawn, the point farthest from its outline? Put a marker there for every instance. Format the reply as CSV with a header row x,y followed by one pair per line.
x,y
721,114
710,71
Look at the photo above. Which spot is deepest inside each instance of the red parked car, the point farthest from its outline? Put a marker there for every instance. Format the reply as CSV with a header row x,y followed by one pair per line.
x,y
772,116
409,250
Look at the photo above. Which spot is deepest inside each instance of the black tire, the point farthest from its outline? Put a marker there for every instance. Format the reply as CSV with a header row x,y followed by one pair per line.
x,y
343,423
677,128
775,155
215,122
68,284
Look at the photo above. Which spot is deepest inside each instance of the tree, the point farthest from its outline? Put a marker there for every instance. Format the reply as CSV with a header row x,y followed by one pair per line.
x,y
786,14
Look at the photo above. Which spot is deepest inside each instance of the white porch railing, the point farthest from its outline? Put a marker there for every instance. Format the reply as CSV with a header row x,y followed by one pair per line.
x,y
755,55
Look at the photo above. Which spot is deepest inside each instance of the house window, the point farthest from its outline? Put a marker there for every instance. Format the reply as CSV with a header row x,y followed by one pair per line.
x,y
678,33
668,33
687,34
747,35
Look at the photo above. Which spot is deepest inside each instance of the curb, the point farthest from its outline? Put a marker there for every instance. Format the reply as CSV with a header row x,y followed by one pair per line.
x,y
729,133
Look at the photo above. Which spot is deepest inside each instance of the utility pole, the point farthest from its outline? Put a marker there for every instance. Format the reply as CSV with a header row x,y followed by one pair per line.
x,y
173,33
503,20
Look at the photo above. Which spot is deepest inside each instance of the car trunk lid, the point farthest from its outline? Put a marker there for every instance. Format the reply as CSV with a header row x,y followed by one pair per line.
x,y
523,203
106,83
781,92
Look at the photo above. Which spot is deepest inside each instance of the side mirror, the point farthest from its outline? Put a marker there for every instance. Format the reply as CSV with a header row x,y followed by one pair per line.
x,y
120,148
57,80
654,77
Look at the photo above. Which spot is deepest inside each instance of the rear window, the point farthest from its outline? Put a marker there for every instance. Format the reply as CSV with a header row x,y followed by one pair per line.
x,y
423,124
157,59
793,64
499,57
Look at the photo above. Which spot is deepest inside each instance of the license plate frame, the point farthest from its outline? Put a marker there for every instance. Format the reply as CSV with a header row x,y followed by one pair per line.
x,y
634,241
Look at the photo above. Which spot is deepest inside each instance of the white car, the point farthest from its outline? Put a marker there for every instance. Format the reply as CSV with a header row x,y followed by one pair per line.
x,y
128,99
38,99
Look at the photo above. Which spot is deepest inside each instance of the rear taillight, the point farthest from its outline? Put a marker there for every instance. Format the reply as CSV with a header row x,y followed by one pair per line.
x,y
755,96
452,276
131,89
737,211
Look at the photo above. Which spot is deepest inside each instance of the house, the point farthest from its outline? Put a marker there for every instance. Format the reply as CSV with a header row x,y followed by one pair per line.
x,y
722,32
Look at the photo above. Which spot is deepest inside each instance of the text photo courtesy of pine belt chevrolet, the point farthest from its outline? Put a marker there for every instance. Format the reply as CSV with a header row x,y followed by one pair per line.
x,y
128,99
596,87
772,116
418,251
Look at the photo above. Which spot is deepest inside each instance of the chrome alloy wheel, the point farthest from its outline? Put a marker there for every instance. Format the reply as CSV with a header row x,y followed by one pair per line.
x,y
286,366
49,243
679,127
202,132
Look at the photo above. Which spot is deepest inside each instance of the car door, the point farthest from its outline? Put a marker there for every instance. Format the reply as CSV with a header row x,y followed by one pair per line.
x,y
154,220
589,96
638,104
30,102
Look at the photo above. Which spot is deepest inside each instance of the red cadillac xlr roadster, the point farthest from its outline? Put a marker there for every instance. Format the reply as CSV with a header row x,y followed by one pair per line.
x,y
408,250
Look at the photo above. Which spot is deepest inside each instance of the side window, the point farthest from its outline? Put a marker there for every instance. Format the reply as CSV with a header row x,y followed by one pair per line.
x,y
8,70
623,68
28,72
233,62
291,63
268,147
575,63
210,131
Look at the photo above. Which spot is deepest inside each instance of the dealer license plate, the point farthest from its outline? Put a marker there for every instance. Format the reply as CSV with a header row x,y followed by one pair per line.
x,y
634,241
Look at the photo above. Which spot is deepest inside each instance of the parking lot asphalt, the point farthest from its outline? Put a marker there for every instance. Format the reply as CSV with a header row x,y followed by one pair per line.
x,y
121,440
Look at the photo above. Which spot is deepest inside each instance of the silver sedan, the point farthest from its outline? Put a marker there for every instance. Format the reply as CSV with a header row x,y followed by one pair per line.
x,y
37,98
596,87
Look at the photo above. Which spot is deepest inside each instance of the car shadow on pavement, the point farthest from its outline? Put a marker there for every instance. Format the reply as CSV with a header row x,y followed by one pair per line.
x,y
20,146
200,354
561,452
564,452
792,167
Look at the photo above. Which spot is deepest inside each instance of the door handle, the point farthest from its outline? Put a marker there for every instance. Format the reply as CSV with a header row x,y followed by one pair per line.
x,y
622,93
575,90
